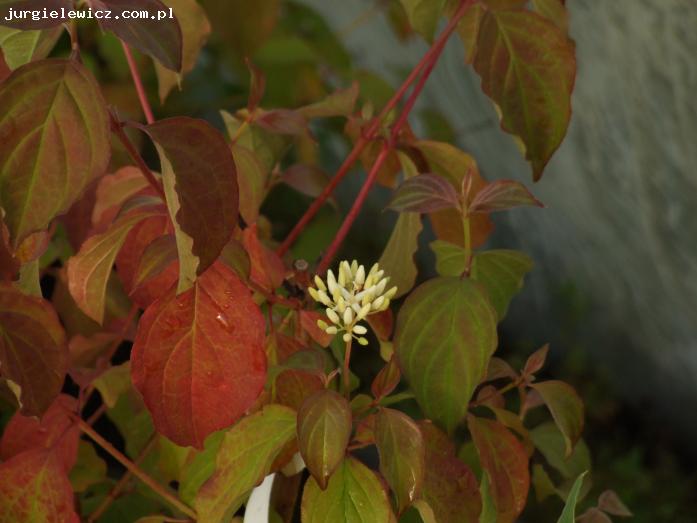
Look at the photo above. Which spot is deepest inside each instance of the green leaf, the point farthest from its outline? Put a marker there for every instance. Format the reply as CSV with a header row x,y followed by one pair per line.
x,y
528,68
244,458
450,488
550,442
568,515
89,469
354,495
402,455
544,487
398,257
506,464
502,195
445,335
33,348
339,103
200,181
423,194
501,273
113,383
566,408
195,29
451,259
252,179
199,468
324,430
54,141
424,15
89,270
21,47
157,36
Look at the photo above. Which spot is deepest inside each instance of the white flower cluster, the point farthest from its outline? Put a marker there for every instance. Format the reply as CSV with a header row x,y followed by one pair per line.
x,y
351,297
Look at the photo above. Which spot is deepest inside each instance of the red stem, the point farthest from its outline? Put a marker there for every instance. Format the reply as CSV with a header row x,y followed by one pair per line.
x,y
142,96
427,61
117,127
355,209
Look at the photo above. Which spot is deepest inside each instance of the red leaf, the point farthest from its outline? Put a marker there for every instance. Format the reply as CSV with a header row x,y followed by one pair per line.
x,y
502,195
424,193
200,181
33,348
450,488
156,35
129,259
294,386
158,266
35,487
55,431
267,269
33,5
4,68
198,358
506,462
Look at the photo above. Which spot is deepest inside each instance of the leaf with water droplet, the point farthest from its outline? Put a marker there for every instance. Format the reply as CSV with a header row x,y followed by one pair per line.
x,y
199,365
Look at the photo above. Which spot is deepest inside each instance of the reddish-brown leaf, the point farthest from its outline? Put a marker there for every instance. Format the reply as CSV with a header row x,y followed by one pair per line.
x,y
386,380
283,121
267,269
536,360
156,35
113,190
55,431
35,487
611,503
423,194
308,320
129,259
54,140
450,488
502,195
158,265
200,181
257,85
324,429
195,29
4,68
306,179
528,68
33,348
504,459
402,455
294,386
32,5
382,324
198,358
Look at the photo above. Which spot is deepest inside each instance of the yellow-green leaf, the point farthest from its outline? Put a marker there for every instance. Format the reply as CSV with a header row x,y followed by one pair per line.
x,y
21,47
354,495
243,460
54,140
566,408
528,67
445,336
423,15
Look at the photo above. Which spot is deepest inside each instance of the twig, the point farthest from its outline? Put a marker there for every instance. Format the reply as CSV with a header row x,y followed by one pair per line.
x,y
114,492
372,130
138,82
135,155
134,469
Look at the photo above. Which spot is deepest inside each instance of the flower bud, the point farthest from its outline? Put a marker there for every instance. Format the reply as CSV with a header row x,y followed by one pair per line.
x,y
331,330
347,337
378,303
360,329
320,284
333,316
363,341
322,325
348,316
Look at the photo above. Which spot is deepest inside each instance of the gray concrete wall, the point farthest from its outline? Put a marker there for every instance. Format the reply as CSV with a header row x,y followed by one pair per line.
x,y
621,192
